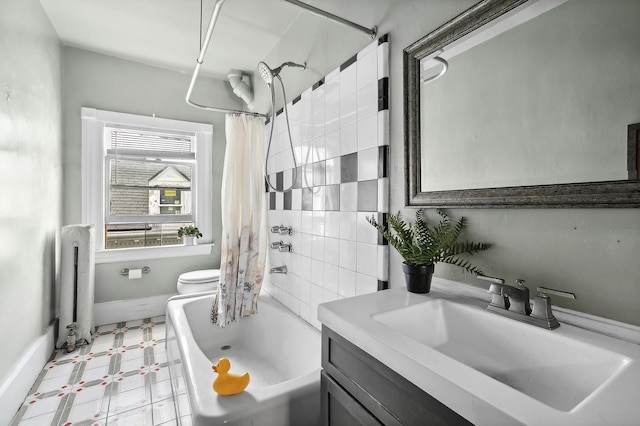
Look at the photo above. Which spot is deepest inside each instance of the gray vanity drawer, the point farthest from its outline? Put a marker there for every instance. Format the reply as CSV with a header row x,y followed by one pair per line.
x,y
340,408
385,394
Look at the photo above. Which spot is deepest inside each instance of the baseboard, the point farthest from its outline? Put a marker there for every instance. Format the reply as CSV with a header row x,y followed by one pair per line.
x,y
15,388
130,309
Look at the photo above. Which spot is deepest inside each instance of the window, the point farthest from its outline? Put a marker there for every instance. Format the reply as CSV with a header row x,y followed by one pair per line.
x,y
143,178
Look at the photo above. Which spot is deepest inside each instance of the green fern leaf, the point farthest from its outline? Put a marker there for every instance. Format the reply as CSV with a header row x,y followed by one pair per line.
x,y
420,244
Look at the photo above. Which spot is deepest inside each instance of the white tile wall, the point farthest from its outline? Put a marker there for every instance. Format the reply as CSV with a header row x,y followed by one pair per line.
x,y
336,253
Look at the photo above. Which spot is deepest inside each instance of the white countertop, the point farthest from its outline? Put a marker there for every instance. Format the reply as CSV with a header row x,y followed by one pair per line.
x,y
472,394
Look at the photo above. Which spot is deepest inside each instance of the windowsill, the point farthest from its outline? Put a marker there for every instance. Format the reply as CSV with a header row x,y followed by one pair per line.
x,y
123,255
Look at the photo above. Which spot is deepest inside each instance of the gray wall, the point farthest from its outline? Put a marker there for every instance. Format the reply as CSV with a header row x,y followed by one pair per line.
x,y
104,82
31,174
591,252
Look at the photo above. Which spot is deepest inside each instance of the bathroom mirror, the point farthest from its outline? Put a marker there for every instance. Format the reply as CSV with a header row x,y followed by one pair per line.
x,y
536,107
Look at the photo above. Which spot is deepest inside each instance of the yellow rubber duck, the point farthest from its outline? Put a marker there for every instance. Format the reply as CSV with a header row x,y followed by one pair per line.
x,y
227,383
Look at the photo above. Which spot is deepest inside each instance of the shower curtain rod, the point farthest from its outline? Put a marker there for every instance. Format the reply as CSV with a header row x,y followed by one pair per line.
x,y
372,32
200,60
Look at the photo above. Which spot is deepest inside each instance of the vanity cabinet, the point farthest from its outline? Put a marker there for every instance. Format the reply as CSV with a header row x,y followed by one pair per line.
x,y
357,389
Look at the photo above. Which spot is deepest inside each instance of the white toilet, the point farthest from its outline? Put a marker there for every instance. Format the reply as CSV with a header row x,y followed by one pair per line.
x,y
198,281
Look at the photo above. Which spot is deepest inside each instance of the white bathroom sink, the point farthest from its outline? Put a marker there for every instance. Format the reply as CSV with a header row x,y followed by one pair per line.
x,y
490,369
555,370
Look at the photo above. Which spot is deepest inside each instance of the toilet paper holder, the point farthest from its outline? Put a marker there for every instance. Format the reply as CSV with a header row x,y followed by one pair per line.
x,y
125,272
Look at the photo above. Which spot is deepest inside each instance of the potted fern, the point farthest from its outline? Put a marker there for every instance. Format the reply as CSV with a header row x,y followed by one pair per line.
x,y
189,234
422,246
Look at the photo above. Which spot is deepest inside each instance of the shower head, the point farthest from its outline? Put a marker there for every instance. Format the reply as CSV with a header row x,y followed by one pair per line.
x,y
268,74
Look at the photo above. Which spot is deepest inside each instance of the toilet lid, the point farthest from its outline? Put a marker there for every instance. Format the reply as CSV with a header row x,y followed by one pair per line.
x,y
200,277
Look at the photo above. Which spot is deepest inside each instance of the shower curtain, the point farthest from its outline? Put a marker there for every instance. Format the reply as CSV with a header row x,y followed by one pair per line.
x,y
243,221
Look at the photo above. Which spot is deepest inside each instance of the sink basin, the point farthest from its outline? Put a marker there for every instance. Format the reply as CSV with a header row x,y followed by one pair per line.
x,y
556,370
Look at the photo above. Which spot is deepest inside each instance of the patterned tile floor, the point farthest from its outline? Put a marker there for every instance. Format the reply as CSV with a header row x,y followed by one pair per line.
x,y
122,378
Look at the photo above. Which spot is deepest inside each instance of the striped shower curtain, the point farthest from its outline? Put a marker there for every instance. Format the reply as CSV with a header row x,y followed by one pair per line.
x,y
243,221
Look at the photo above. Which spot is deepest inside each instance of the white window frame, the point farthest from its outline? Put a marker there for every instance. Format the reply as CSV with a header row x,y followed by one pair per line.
x,y
94,122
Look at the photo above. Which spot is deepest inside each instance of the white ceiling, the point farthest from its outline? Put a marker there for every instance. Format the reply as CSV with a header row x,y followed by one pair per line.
x,y
165,33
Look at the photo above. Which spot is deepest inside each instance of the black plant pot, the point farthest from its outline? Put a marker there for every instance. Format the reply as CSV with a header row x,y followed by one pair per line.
x,y
418,278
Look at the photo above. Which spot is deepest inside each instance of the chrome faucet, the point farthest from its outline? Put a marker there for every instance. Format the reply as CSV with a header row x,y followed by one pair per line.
x,y
285,230
282,230
278,270
513,302
285,247
518,296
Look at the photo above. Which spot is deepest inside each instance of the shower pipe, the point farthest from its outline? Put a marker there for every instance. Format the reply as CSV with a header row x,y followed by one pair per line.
x,y
273,124
372,32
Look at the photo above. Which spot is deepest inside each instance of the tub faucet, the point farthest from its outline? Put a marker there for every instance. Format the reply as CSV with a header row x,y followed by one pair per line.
x,y
285,247
278,270
513,302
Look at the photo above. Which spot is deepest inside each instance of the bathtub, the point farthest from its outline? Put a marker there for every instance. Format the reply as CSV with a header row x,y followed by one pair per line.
x,y
280,351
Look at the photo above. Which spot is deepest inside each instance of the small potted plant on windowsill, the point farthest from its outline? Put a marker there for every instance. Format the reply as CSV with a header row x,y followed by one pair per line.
x,y
189,234
422,246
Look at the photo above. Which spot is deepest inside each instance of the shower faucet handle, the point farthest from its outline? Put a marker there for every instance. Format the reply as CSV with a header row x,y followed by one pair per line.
x,y
285,247
285,230
281,229
276,245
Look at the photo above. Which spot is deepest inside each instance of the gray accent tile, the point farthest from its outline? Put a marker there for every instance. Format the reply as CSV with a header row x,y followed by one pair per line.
x,y
383,94
382,220
64,408
272,201
348,62
19,415
383,161
114,363
287,200
368,195
149,355
77,372
349,168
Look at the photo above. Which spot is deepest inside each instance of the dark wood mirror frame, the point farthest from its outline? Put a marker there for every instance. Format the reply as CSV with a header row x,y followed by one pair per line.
x,y
623,193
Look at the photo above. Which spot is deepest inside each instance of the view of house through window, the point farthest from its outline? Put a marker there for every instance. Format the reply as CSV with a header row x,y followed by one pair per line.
x,y
149,182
